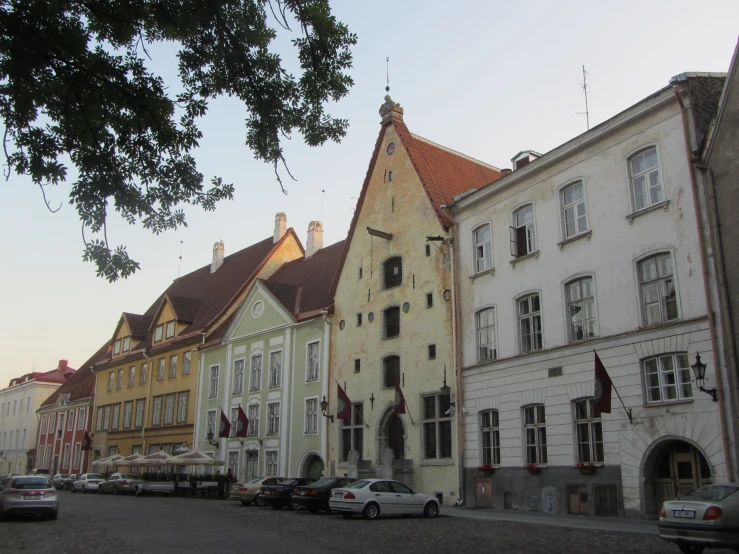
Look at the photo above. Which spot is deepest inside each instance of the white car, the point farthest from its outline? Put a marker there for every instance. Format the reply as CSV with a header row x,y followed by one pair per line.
x,y
375,497
88,482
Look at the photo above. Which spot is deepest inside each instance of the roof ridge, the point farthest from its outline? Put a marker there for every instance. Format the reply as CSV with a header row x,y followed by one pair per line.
x,y
452,151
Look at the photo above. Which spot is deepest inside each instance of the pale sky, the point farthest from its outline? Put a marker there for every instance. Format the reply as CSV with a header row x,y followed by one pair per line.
x,y
485,78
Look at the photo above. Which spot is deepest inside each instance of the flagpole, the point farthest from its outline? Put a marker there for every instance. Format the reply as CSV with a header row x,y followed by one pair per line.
x,y
354,407
627,410
408,411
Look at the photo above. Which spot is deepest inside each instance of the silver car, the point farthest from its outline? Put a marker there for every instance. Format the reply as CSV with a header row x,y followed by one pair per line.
x,y
29,495
118,483
375,497
58,480
88,482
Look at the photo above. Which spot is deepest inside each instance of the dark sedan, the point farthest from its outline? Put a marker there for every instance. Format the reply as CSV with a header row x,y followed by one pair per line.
x,y
316,495
69,482
280,495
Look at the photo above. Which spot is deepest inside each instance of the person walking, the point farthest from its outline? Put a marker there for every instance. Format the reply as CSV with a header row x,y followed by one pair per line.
x,y
229,482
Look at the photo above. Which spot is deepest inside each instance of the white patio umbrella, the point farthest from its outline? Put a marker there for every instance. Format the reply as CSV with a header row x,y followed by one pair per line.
x,y
109,461
196,458
160,458
130,461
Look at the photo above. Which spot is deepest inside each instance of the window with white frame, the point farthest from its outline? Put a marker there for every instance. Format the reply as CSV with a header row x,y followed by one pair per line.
x,y
119,379
170,329
70,420
275,369
158,330
535,434
213,389
352,433
574,211
311,415
658,294
182,400
529,323
252,464
186,362
99,420
173,366
126,344
233,463
238,384
111,378
127,413
667,378
81,419
234,420
169,409
144,368
131,375
160,369
588,432
646,185
44,422
273,418
523,232
487,348
77,452
253,429
490,436
255,377
211,424
65,459
437,427
583,323
314,359
156,412
117,347
140,405
106,418
270,464
483,248
115,417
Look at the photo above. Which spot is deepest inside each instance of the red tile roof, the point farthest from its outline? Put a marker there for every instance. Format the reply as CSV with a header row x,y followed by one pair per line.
x,y
81,385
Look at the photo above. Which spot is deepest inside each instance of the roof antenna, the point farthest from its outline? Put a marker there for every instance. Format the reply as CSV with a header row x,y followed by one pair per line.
x,y
387,74
179,270
584,86
323,195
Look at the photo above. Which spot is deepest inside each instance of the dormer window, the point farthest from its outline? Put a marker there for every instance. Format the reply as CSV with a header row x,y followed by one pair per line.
x,y
393,272
170,329
126,344
158,333
117,347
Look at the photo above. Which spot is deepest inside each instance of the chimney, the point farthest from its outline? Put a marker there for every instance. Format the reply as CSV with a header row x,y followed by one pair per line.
x,y
505,171
390,110
217,262
524,158
315,238
280,226
62,365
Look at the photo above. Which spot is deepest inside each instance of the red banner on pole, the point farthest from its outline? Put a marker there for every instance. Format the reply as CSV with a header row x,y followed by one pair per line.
x,y
225,429
603,385
242,424
343,405
399,404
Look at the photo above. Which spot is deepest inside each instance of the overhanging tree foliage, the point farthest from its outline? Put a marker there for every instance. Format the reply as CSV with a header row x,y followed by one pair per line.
x,y
75,85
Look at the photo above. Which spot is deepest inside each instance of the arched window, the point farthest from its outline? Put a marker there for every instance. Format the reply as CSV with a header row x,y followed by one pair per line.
x,y
583,323
523,231
657,284
392,272
483,248
535,434
574,211
485,328
646,184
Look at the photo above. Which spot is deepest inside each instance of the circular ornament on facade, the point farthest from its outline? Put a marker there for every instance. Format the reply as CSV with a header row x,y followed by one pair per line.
x,y
406,307
390,148
371,317
447,294
258,309
341,324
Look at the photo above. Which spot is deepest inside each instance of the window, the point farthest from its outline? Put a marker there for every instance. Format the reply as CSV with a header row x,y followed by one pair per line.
x,y
311,415
238,386
485,328
352,433
255,379
28,404
529,323
437,427
273,418
360,272
186,362
645,182
173,366
581,309
429,299
357,365
111,377
275,369
158,333
182,407
99,420
234,420
359,320
428,250
144,368
170,329
252,464
574,213
44,422
106,418
211,426
169,409
432,351
117,347
140,405
253,429
127,412
213,390
233,463
391,371
126,344
483,249
65,459
156,413
392,322
76,459
658,295
160,369
116,417
119,379
535,432
667,378
523,232
490,437
131,375
393,272
270,465
589,432
70,421
81,419
314,359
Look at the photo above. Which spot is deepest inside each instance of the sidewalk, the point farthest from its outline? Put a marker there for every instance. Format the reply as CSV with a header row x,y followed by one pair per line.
x,y
617,524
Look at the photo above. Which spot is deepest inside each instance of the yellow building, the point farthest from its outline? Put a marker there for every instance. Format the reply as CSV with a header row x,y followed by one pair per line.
x,y
146,391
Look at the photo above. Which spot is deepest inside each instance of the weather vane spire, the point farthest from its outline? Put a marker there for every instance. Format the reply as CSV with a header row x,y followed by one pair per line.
x,y
387,73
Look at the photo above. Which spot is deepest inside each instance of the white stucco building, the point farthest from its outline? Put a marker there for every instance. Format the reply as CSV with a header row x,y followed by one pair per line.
x,y
593,246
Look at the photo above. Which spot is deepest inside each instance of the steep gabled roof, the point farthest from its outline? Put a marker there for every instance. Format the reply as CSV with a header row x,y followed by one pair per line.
x,y
185,309
138,324
80,385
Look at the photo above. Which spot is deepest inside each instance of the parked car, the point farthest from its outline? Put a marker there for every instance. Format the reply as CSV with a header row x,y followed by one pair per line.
x,y
119,483
69,481
88,482
707,517
29,495
7,479
37,471
317,495
280,495
58,479
375,497
250,491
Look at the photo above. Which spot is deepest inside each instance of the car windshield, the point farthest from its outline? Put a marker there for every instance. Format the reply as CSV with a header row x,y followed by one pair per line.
x,y
324,481
94,476
256,479
288,482
359,484
63,476
711,494
30,483
129,476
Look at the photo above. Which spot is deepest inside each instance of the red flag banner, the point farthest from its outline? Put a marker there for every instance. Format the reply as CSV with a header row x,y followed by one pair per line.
x,y
242,424
343,405
224,430
399,404
86,442
603,386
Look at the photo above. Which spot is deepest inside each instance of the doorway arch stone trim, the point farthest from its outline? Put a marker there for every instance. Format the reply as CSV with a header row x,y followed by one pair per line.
x,y
381,438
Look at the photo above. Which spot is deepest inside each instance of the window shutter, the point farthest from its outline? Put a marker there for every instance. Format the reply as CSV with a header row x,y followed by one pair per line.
x,y
523,244
514,241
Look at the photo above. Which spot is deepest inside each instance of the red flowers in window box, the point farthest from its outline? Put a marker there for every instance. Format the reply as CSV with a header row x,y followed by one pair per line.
x,y
486,468
532,468
586,469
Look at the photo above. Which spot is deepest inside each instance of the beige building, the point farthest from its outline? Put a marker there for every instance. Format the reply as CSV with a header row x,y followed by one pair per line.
x,y
393,319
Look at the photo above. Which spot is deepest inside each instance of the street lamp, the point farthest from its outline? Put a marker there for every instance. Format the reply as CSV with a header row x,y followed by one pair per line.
x,y
446,391
211,440
324,408
699,370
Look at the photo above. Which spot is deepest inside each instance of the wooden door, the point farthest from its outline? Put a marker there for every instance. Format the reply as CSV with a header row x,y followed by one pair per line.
x,y
577,500
680,469
483,492
396,443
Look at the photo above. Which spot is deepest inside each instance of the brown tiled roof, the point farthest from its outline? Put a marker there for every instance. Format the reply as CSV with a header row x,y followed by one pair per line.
x,y
80,385
185,309
138,324
287,295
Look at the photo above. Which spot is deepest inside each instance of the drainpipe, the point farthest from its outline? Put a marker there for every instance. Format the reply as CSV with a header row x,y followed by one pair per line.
x,y
704,269
148,400
457,330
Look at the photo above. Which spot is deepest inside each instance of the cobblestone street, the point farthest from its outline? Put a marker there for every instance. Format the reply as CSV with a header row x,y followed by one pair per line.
x,y
92,523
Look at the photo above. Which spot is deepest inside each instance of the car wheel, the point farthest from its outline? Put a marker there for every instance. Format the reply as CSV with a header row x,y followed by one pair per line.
x,y
295,506
100,489
347,516
259,501
431,509
690,548
371,511
52,517
115,490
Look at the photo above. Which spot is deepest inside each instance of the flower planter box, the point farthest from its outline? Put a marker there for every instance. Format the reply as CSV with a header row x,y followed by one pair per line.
x,y
587,470
533,471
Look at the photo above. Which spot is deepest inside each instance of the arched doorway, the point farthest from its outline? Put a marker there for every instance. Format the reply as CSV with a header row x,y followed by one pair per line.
x,y
313,467
394,432
677,467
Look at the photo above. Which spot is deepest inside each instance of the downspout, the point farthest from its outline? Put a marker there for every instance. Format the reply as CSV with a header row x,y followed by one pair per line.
x,y
456,324
706,291
148,401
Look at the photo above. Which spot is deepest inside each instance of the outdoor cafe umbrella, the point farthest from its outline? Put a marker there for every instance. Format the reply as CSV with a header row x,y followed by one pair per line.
x,y
109,461
160,458
131,460
195,458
